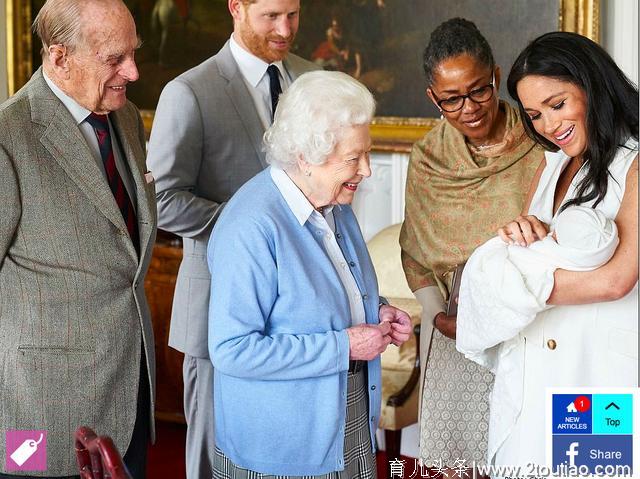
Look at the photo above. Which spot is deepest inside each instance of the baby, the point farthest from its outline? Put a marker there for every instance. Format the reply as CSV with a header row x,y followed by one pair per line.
x,y
584,229
504,286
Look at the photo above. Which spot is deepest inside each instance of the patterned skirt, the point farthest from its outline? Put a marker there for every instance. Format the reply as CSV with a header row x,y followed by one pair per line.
x,y
455,407
360,462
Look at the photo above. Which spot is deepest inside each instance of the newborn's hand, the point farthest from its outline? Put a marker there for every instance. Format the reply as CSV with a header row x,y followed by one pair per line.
x,y
523,231
400,323
367,341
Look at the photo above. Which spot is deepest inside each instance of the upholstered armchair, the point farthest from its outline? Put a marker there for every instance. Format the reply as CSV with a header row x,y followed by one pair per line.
x,y
400,366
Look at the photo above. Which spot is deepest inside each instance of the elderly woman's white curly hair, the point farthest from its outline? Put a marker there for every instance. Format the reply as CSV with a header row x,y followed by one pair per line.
x,y
312,115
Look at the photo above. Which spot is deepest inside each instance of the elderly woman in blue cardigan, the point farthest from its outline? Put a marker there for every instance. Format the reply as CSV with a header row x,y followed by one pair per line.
x,y
296,326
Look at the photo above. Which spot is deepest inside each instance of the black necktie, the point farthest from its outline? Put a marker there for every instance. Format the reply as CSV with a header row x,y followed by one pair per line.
x,y
274,88
100,124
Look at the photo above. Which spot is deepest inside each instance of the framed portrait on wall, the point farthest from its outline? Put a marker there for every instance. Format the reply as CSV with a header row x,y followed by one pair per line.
x,y
379,42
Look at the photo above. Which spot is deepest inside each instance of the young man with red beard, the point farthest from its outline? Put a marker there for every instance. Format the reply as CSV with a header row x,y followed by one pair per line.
x,y
206,142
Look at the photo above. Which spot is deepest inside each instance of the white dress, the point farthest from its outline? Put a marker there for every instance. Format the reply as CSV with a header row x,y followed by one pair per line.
x,y
595,344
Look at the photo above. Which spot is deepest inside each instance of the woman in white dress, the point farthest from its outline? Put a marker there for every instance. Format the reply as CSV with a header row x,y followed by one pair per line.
x,y
579,105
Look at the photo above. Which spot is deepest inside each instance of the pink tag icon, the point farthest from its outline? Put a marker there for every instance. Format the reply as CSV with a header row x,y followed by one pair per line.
x,y
26,450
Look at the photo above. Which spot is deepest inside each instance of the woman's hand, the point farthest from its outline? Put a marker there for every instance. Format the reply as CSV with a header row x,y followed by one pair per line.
x,y
523,231
367,341
445,324
400,323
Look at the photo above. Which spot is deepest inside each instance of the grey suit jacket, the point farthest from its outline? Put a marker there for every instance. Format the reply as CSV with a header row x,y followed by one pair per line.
x,y
206,142
73,313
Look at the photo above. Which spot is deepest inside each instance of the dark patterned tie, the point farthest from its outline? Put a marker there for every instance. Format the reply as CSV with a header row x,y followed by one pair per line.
x,y
274,88
100,124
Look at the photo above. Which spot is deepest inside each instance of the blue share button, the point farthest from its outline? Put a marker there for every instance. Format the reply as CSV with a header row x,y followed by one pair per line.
x,y
610,455
572,414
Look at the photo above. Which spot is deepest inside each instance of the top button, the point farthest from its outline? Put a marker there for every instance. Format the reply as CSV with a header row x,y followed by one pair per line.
x,y
338,235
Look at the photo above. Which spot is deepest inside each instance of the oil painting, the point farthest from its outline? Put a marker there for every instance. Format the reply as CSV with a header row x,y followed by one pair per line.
x,y
379,42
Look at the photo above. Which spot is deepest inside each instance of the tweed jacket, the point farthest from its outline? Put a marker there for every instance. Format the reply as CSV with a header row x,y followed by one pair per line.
x,y
73,313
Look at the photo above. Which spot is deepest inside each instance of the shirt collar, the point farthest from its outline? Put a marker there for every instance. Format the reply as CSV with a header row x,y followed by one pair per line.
x,y
251,67
300,206
78,112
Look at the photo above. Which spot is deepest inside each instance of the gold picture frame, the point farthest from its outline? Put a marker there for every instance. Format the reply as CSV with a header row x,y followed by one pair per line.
x,y
390,133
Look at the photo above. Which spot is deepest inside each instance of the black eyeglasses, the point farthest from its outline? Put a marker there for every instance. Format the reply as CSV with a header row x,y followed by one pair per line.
x,y
479,95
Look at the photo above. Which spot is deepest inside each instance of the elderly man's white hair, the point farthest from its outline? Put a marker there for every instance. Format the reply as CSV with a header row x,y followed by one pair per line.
x,y
311,115
60,22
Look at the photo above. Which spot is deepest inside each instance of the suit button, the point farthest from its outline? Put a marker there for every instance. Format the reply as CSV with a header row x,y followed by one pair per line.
x,y
373,388
551,344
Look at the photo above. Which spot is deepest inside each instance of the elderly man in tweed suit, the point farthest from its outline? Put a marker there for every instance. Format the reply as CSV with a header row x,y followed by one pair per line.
x,y
77,228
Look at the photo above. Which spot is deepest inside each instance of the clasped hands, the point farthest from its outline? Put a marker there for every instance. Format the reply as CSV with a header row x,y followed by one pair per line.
x,y
366,341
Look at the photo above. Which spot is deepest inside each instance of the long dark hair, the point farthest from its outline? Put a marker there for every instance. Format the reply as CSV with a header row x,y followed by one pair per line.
x,y
612,101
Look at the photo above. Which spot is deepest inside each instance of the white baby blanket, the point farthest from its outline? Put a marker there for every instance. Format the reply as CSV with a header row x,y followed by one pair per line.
x,y
504,287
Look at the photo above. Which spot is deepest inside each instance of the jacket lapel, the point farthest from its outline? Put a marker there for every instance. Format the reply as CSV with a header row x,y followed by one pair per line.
x,y
66,145
292,65
242,100
69,149
126,128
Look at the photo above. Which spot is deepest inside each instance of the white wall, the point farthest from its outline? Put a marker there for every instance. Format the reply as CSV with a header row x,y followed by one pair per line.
x,y
619,33
3,51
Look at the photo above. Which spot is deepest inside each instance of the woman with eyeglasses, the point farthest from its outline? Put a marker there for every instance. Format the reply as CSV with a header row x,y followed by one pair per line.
x,y
467,177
